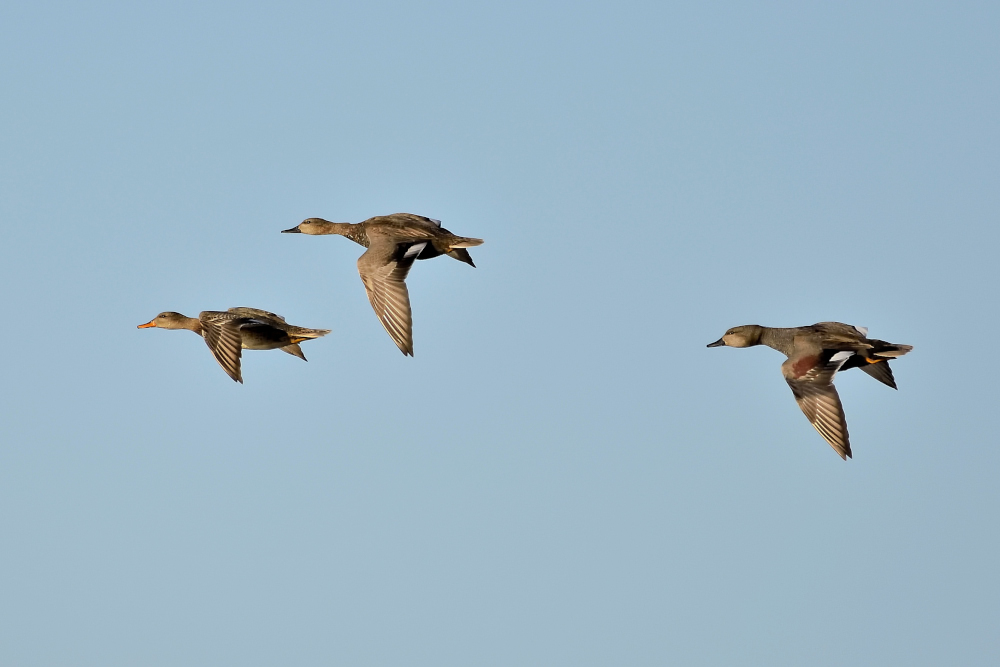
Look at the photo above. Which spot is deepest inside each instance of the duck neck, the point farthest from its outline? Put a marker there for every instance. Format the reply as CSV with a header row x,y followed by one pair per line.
x,y
778,339
355,232
193,324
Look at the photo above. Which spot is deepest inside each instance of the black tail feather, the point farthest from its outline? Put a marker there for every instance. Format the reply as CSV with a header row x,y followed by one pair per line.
x,y
462,255
880,372
295,351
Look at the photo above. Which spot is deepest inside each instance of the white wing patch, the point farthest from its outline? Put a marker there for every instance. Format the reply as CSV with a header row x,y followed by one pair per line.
x,y
841,356
863,331
414,250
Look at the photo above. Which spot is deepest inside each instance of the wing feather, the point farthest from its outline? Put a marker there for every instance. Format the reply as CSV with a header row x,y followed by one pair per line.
x,y
223,337
383,270
263,315
819,401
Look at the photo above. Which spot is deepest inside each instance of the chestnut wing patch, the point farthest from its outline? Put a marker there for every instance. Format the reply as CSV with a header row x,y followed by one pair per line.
x,y
811,381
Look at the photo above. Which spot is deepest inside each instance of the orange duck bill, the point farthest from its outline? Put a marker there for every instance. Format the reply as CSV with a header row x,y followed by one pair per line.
x,y
151,323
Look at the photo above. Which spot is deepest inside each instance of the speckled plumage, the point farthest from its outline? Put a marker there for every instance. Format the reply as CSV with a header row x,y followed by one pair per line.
x,y
815,354
394,242
228,333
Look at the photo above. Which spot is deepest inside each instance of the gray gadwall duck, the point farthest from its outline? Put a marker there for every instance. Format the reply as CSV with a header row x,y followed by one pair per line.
x,y
393,242
228,333
815,354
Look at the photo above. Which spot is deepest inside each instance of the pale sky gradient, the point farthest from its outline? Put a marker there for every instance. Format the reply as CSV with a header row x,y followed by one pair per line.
x,y
564,474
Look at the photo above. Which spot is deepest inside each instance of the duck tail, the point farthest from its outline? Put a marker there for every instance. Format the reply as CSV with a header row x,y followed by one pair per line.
x,y
875,361
883,350
300,334
463,242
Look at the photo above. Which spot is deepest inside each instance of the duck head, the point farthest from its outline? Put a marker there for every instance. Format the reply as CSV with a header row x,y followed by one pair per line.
x,y
743,336
170,320
312,226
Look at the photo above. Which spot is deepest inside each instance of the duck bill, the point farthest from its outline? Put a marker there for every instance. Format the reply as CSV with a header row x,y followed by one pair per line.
x,y
151,323
718,343
293,230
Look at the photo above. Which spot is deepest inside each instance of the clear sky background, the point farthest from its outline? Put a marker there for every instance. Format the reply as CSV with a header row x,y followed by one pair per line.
x,y
564,474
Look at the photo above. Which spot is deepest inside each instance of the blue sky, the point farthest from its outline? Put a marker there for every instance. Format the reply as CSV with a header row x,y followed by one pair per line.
x,y
563,474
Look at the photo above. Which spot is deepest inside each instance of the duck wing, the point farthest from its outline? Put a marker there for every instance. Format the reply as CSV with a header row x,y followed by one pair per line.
x,y
256,313
294,350
413,219
223,337
462,255
404,223
880,371
383,268
840,336
811,381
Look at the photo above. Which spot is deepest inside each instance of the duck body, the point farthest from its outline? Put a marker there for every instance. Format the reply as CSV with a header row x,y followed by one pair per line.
x,y
261,330
815,354
402,229
393,243
229,332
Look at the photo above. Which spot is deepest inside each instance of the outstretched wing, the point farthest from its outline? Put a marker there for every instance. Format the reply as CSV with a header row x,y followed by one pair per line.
x,y
383,268
817,397
222,335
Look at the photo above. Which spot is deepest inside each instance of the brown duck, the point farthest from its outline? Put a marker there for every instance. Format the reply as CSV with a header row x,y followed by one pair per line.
x,y
394,242
229,333
815,354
